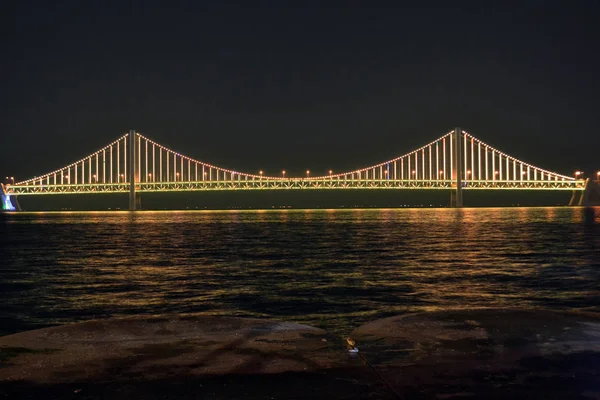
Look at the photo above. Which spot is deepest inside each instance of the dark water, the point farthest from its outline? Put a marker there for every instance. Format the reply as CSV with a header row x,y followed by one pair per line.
x,y
330,268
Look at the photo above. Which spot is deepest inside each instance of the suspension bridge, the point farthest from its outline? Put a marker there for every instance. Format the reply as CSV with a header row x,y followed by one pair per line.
x,y
456,161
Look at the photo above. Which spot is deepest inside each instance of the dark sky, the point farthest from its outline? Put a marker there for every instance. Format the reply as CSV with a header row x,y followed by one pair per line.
x,y
255,85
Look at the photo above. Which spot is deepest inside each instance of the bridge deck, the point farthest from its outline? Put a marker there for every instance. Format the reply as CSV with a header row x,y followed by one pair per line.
x,y
292,183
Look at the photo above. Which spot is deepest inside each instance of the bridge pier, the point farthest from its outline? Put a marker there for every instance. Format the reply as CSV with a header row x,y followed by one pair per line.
x,y
457,171
590,196
7,204
133,177
575,198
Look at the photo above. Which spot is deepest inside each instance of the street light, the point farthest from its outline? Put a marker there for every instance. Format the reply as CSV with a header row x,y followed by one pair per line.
x,y
283,173
94,176
122,176
307,173
597,175
577,173
176,176
150,177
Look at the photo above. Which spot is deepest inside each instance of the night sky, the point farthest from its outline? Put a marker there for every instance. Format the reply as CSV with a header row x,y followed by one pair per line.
x,y
299,85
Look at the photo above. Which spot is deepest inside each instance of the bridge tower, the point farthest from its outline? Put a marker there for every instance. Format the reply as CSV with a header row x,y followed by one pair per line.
x,y
133,176
457,170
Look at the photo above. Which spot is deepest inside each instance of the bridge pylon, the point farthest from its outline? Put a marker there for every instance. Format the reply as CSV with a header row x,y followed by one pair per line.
x,y
457,171
133,173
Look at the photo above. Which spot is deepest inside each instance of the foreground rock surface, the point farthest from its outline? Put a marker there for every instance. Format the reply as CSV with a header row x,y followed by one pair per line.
x,y
162,347
477,354
180,357
491,354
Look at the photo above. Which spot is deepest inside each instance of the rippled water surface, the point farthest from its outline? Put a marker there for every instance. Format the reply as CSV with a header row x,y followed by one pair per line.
x,y
330,268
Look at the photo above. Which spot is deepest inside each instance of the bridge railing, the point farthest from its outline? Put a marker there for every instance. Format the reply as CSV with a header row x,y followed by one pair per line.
x,y
268,184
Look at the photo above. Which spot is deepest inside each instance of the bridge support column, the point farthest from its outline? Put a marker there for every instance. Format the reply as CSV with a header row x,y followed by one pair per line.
x,y
457,170
591,195
7,204
576,197
132,171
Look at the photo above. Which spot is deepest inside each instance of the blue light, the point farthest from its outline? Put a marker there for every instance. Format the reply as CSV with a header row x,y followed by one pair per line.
x,y
6,203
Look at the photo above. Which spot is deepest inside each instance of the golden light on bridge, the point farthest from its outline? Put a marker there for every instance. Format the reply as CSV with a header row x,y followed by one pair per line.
x,y
405,173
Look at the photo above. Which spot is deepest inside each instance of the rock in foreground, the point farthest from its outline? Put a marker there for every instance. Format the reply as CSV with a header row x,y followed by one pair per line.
x,y
487,354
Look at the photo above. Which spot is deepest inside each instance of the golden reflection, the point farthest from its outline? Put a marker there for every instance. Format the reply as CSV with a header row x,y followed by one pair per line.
x,y
332,267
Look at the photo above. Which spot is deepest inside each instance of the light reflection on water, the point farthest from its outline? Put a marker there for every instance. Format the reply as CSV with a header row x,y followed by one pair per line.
x,y
330,268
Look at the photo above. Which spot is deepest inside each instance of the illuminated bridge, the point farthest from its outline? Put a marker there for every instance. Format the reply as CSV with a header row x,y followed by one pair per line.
x,y
457,161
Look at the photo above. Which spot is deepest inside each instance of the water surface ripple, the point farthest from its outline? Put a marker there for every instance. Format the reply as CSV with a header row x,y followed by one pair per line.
x,y
334,269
